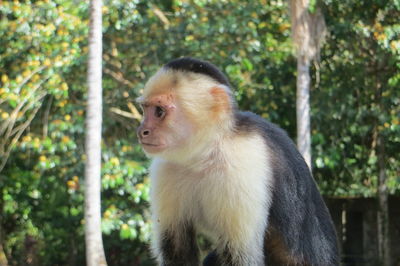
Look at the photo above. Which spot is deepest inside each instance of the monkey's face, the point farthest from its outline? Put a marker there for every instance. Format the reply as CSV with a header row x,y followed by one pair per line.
x,y
182,111
164,126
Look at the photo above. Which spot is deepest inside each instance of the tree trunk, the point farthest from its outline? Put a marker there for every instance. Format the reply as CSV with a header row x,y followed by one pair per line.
x,y
3,258
383,210
308,33
303,108
93,239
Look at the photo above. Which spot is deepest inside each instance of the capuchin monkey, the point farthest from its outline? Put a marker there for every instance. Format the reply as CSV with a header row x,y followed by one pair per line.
x,y
228,174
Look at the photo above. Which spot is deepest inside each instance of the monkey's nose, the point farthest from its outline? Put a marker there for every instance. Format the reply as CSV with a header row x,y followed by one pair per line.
x,y
144,133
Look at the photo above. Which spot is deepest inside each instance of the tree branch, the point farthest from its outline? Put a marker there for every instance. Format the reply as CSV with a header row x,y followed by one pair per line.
x,y
118,76
18,135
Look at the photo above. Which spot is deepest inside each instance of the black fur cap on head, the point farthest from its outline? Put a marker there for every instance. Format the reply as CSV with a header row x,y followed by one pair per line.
x,y
198,66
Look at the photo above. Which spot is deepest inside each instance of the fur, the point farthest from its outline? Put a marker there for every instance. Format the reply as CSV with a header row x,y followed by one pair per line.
x,y
234,176
225,199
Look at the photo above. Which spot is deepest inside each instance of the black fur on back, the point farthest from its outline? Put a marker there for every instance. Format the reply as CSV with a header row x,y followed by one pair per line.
x,y
298,214
198,66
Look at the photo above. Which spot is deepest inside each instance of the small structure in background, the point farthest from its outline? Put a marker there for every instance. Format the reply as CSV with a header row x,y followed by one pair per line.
x,y
356,225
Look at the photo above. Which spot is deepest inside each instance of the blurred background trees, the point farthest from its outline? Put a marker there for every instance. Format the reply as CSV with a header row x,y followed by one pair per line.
x,y
355,107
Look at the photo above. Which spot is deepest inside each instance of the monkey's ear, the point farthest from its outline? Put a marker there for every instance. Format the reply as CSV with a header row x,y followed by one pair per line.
x,y
222,102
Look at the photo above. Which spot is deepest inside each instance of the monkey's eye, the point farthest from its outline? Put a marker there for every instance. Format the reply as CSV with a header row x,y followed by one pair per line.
x,y
159,112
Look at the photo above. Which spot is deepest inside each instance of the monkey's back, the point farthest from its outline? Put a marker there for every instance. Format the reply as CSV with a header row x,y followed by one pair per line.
x,y
300,229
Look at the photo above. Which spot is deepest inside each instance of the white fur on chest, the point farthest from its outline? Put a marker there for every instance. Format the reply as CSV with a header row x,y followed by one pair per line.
x,y
228,194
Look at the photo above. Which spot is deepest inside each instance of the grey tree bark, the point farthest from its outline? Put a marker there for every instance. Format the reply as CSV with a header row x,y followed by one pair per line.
x,y
303,109
93,238
384,247
308,31
383,210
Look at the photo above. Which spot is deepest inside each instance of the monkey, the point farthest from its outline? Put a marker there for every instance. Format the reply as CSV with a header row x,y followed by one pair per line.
x,y
228,174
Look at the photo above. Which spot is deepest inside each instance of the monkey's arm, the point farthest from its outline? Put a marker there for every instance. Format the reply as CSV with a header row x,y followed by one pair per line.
x,y
179,248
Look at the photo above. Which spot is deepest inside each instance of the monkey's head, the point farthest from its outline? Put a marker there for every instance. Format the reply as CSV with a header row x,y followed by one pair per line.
x,y
187,104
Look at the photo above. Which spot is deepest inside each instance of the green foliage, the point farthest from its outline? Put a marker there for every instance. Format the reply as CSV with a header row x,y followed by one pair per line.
x,y
358,98
43,52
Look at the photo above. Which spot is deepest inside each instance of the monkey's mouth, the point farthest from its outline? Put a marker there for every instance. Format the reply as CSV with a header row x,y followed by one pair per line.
x,y
152,147
150,144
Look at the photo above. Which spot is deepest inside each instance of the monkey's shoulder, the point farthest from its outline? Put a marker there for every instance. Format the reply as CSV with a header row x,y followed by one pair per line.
x,y
277,140
248,122
249,149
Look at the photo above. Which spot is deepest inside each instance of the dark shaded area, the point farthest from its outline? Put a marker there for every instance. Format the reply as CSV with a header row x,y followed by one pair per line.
x,y
356,225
